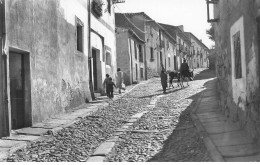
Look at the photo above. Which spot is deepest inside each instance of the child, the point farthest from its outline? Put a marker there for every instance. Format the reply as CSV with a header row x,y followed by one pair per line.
x,y
105,83
110,88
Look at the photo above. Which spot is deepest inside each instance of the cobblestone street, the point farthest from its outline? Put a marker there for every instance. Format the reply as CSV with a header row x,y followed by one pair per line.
x,y
165,133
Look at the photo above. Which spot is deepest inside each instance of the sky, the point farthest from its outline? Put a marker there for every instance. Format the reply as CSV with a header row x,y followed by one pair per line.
x,y
192,14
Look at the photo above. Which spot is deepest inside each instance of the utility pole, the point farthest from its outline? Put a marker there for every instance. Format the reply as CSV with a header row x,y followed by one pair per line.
x,y
90,53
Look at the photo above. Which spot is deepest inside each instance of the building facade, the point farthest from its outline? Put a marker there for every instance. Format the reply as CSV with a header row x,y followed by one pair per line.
x,y
103,42
183,44
199,52
159,44
237,32
130,50
46,63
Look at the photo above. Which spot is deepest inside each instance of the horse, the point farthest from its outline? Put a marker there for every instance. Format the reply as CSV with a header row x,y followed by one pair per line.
x,y
188,74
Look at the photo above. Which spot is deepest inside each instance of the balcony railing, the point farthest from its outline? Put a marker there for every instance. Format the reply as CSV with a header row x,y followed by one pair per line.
x,y
97,7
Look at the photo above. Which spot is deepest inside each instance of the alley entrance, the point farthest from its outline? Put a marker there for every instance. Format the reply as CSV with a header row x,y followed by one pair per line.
x,y
19,70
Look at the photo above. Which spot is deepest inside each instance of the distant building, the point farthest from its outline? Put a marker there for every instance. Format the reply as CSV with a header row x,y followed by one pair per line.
x,y
199,52
159,44
130,50
237,32
183,44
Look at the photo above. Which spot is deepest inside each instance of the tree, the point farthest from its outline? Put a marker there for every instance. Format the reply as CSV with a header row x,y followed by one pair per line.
x,y
211,33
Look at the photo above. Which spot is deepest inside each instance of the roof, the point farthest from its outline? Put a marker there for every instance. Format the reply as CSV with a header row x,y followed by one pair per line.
x,y
199,41
174,30
122,22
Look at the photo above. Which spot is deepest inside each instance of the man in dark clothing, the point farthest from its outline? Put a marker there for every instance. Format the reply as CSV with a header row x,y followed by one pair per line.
x,y
110,88
185,70
164,81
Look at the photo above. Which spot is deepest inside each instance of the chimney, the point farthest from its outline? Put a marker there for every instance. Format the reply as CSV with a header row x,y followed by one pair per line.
x,y
181,27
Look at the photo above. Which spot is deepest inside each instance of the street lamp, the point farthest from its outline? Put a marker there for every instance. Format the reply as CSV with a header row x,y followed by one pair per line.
x,y
210,3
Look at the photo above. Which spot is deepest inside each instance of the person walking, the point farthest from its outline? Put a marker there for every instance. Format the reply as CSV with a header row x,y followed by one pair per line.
x,y
110,88
163,76
120,80
105,83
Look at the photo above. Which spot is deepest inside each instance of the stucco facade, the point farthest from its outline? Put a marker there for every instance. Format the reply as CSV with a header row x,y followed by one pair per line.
x,y
103,44
45,64
130,58
199,52
237,61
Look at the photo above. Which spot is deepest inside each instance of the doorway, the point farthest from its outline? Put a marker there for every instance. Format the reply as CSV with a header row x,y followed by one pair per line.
x,y
97,76
20,90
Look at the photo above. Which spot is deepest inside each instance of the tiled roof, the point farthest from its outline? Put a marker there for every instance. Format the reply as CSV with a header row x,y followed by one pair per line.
x,y
122,21
201,43
173,30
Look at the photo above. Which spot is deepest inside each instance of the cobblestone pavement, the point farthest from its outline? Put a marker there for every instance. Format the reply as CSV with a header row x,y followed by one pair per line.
x,y
177,138
172,138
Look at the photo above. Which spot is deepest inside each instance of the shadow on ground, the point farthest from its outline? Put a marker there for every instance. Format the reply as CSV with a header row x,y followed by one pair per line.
x,y
185,144
205,74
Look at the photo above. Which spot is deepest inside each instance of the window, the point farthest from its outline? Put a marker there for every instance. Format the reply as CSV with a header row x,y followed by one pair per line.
x,y
79,35
169,61
108,58
136,71
140,53
237,53
151,51
142,73
135,50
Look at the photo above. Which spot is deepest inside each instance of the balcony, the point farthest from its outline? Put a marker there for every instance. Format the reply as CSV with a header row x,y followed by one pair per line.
x,y
97,7
118,1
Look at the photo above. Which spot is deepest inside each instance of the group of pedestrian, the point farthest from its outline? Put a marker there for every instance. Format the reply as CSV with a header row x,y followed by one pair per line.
x,y
109,85
184,73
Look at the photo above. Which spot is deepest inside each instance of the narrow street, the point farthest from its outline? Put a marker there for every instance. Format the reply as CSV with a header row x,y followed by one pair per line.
x,y
165,133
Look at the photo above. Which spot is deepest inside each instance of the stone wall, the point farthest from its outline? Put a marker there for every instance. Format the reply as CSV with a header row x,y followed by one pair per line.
x,y
239,96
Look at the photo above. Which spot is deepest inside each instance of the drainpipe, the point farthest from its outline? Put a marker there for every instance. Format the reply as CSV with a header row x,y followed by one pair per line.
x,y
91,88
3,60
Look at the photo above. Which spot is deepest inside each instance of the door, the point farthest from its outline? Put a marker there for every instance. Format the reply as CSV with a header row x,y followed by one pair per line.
x,y
17,92
4,120
94,55
20,90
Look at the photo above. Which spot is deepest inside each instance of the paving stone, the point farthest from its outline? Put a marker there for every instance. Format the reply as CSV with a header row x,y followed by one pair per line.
x,y
201,117
253,158
208,93
239,150
208,105
32,131
209,99
205,110
66,117
113,139
4,153
131,120
139,115
57,121
231,138
46,125
221,129
104,149
144,131
23,138
96,159
9,143
214,119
